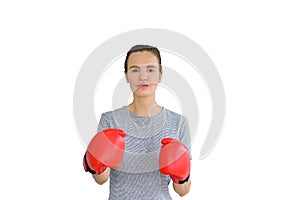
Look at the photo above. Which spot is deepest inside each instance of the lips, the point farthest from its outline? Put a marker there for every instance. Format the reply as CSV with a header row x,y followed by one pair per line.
x,y
143,85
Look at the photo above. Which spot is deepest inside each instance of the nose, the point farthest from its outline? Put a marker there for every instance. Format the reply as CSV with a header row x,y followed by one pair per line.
x,y
143,75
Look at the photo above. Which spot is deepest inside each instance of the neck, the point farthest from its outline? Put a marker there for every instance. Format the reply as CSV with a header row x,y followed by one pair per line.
x,y
144,106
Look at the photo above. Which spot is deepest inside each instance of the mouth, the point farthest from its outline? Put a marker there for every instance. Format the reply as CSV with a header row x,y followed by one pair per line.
x,y
143,85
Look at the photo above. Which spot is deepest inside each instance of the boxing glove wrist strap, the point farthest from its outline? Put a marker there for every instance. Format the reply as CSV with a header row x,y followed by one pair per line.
x,y
178,181
185,180
87,168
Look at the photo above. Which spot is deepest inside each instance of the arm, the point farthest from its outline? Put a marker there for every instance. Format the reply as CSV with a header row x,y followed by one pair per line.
x,y
182,189
103,177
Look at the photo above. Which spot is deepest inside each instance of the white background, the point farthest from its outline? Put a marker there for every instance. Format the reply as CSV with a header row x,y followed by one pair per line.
x,y
254,45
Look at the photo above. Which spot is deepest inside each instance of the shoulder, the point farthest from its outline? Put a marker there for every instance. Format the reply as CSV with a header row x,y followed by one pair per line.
x,y
111,119
111,114
175,116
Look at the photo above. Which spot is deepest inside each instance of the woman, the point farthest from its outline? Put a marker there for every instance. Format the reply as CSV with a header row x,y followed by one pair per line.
x,y
142,172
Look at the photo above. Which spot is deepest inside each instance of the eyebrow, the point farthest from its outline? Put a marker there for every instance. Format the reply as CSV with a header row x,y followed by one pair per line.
x,y
148,66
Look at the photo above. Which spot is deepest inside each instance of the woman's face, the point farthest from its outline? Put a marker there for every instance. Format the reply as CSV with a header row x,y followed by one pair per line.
x,y
143,73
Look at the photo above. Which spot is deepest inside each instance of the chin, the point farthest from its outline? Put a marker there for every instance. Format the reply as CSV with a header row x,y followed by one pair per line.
x,y
142,94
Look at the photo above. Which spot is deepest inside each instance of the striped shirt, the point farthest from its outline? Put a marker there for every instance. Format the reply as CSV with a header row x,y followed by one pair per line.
x,y
138,176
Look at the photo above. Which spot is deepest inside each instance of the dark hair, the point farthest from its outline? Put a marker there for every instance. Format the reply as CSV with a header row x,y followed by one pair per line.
x,y
140,48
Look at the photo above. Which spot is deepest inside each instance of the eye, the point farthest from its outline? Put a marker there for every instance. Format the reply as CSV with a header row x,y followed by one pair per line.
x,y
134,70
151,70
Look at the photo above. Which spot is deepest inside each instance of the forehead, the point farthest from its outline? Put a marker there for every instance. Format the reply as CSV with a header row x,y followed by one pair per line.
x,y
142,58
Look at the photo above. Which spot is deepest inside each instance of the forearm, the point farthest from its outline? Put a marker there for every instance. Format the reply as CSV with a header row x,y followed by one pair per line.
x,y
103,177
182,189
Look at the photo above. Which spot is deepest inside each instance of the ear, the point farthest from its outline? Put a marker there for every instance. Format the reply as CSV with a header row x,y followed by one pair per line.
x,y
160,76
126,77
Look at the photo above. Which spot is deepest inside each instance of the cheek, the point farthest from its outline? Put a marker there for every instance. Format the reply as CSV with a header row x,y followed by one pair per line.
x,y
130,78
153,86
132,85
155,79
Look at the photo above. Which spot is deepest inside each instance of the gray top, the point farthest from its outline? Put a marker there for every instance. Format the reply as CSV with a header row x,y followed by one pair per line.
x,y
138,176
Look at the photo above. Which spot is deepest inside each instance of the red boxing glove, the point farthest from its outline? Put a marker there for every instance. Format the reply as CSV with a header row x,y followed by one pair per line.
x,y
174,160
106,149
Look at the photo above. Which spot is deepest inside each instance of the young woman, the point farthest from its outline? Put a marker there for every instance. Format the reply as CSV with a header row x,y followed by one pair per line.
x,y
147,161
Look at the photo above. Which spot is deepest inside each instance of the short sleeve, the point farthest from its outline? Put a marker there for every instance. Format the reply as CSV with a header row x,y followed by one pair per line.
x,y
184,135
103,123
